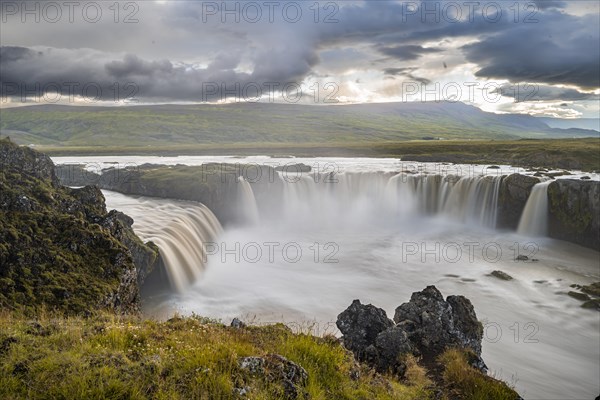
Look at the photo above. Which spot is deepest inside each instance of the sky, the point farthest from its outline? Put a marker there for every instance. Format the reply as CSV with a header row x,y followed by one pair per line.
x,y
535,57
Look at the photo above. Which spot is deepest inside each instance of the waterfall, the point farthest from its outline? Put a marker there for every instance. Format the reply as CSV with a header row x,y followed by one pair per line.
x,y
360,196
247,202
181,230
534,220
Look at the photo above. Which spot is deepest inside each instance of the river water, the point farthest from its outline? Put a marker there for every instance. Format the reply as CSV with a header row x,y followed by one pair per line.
x,y
306,262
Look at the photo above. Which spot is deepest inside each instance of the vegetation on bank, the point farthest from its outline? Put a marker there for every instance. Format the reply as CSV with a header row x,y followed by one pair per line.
x,y
119,357
581,154
59,248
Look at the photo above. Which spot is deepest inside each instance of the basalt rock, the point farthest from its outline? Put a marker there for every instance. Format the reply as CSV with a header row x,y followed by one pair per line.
x,y
574,211
425,326
433,324
512,197
361,324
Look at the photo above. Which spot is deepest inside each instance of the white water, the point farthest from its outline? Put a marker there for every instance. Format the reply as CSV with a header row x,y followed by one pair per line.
x,y
247,202
179,229
361,197
534,220
379,237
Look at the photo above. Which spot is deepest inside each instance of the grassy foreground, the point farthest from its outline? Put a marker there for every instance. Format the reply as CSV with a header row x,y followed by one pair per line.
x,y
116,357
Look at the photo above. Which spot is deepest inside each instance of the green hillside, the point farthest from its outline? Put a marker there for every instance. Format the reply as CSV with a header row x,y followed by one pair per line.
x,y
265,124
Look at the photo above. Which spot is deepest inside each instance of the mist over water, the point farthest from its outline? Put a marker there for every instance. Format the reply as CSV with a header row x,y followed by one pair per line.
x,y
307,251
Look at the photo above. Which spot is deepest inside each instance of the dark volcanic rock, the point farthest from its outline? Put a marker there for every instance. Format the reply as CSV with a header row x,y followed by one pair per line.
x,y
574,211
361,324
391,346
425,326
514,191
433,324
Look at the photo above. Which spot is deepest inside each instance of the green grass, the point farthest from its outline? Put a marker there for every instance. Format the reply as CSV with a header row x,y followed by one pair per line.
x,y
465,382
110,357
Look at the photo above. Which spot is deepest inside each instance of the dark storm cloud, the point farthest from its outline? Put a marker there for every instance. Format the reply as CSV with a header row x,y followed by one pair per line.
x,y
407,52
173,51
560,49
14,53
536,92
136,78
406,72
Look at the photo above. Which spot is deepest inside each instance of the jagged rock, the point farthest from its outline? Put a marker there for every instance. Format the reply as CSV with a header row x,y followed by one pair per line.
x,y
145,255
433,324
391,345
27,161
278,369
574,211
361,324
501,275
425,326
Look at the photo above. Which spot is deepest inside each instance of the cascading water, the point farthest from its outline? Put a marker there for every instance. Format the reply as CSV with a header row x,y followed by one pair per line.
x,y
247,202
365,196
181,231
534,220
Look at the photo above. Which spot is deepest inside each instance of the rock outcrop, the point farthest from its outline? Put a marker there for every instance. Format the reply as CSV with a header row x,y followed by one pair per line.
x,y
216,185
59,248
278,370
512,197
425,326
574,211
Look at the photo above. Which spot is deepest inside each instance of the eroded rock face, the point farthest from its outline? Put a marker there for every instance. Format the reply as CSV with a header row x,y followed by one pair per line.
x,y
216,185
513,195
425,326
574,211
361,324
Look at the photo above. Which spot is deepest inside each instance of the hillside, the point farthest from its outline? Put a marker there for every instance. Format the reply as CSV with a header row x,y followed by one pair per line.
x,y
266,124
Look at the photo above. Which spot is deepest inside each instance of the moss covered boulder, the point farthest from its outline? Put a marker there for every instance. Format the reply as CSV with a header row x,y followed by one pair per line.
x,y
59,247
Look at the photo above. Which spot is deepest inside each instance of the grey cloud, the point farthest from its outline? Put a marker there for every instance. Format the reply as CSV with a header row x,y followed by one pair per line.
x,y
406,52
406,72
162,53
561,49
534,92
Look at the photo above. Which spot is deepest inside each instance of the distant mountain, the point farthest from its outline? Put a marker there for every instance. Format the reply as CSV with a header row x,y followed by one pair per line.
x,y
256,123
578,123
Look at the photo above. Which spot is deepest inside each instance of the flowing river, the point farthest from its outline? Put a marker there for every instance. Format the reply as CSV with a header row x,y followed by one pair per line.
x,y
376,235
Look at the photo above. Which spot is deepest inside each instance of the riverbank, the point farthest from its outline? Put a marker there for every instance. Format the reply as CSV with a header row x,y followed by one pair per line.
x,y
578,154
